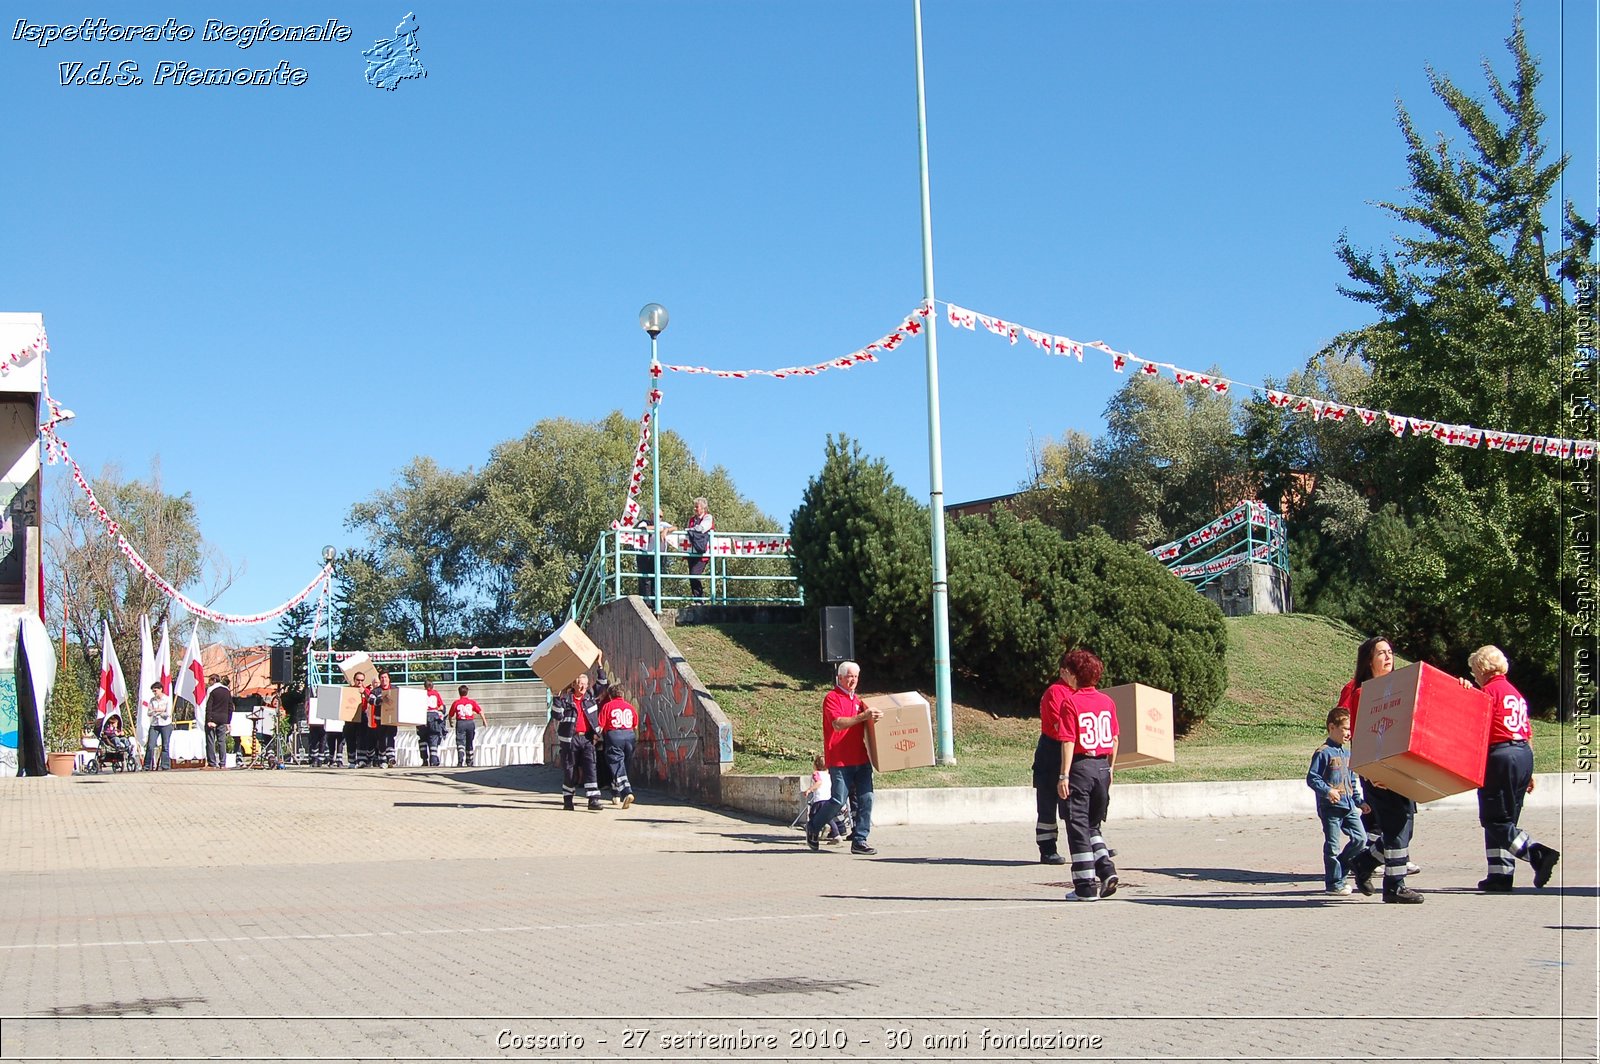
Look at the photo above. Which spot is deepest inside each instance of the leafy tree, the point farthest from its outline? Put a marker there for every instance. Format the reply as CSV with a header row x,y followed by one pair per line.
x,y
91,581
861,541
70,705
1170,460
1474,328
544,499
416,534
1009,580
1147,625
293,631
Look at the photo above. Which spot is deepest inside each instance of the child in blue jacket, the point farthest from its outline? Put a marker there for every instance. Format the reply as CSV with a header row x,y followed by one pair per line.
x,y
1339,806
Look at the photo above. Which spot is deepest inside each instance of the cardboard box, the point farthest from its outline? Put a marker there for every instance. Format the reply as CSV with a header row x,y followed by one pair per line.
x,y
564,655
403,705
338,703
358,663
1421,734
1144,726
903,737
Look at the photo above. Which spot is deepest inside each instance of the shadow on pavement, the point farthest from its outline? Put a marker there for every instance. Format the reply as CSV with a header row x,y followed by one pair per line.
x,y
976,862
1233,875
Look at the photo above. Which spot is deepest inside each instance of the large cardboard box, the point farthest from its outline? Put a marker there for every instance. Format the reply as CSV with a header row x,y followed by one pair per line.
x,y
358,663
903,737
403,705
338,703
564,655
1144,725
1419,732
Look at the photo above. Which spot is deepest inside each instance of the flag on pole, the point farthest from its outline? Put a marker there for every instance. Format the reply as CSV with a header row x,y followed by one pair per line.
x,y
192,675
113,694
164,662
147,676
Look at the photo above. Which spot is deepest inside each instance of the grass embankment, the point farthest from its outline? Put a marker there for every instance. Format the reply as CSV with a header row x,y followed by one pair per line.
x,y
1284,673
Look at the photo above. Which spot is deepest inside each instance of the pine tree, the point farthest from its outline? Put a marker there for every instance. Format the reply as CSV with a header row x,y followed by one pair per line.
x,y
1475,328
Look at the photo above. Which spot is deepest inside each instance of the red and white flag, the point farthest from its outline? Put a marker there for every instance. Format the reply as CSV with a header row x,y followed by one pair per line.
x,y
113,693
147,676
192,675
164,662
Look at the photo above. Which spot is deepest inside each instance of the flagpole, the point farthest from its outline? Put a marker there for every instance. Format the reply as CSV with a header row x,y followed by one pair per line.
x,y
946,753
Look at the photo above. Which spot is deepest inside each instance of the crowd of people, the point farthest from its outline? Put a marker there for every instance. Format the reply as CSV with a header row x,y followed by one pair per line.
x,y
1365,825
367,742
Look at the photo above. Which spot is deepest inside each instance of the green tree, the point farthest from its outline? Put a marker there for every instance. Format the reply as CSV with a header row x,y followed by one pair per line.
x,y
90,580
416,539
70,705
1147,625
543,500
861,541
1474,328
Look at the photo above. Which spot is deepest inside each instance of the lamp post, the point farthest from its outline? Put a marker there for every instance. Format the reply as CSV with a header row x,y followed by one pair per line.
x,y
328,554
653,320
946,753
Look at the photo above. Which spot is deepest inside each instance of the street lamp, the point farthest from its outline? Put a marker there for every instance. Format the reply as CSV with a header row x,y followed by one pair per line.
x,y
653,320
328,554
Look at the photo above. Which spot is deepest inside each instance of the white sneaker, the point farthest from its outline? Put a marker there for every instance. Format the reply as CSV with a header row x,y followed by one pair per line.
x,y
1073,895
1340,891
1412,869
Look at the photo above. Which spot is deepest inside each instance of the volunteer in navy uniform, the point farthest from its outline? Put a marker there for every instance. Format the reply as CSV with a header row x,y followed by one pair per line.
x,y
1088,748
1046,764
1507,778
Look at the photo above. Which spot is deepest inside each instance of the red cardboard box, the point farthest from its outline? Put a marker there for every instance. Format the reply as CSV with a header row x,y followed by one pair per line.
x,y
1420,733
1144,725
903,737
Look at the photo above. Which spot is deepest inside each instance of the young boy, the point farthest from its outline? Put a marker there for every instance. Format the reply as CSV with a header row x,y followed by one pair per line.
x,y
1339,806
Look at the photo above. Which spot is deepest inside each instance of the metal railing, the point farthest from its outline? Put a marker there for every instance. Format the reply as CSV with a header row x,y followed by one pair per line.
x,y
744,569
407,667
1251,531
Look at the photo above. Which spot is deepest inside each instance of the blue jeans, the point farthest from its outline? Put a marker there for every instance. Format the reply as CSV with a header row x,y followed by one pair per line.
x,y
1343,838
163,734
856,782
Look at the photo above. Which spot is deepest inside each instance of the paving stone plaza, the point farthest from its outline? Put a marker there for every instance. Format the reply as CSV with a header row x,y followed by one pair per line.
x,y
431,915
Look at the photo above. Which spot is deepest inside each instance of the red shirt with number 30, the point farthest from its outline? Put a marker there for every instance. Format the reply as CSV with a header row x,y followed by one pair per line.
x,y
1089,722
1508,712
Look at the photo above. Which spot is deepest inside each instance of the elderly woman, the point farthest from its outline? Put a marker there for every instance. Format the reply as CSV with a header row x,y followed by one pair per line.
x,y
1393,816
1507,777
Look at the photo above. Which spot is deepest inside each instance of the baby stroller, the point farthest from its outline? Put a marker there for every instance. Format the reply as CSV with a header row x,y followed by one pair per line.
x,y
110,749
838,829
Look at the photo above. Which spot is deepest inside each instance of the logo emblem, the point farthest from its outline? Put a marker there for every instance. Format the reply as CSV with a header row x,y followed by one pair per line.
x,y
905,744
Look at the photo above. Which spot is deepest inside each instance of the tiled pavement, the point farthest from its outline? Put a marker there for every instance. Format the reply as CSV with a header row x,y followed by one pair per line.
x,y
463,915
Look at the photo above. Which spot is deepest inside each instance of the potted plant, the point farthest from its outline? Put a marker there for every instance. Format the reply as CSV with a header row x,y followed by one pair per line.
x,y
64,719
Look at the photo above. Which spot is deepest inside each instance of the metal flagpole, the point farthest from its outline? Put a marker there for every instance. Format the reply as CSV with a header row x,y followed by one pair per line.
x,y
946,754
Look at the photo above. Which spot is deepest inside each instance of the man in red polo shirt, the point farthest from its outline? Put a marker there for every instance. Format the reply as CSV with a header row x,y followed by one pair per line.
x,y
844,747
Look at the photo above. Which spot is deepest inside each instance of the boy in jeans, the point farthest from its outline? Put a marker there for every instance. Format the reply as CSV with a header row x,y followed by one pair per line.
x,y
1339,806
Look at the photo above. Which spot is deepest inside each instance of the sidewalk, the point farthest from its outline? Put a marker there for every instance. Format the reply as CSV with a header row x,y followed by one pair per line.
x,y
442,914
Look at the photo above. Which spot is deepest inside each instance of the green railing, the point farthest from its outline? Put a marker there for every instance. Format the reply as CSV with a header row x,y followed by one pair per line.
x,y
443,667
745,569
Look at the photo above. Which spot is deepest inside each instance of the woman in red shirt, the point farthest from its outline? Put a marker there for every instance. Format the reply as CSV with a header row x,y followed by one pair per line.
x,y
1507,778
466,713
619,725
1088,727
1393,817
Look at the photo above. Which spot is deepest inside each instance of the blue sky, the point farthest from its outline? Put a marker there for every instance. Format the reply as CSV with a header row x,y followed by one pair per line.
x,y
285,293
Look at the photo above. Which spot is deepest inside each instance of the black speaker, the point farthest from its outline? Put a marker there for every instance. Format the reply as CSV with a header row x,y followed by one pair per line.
x,y
281,670
838,634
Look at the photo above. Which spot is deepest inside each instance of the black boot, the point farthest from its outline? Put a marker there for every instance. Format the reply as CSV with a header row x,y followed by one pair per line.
x,y
1543,859
566,802
1495,883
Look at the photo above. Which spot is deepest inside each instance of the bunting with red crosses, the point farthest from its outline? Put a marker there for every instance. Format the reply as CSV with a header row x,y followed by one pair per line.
x,y
1401,425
